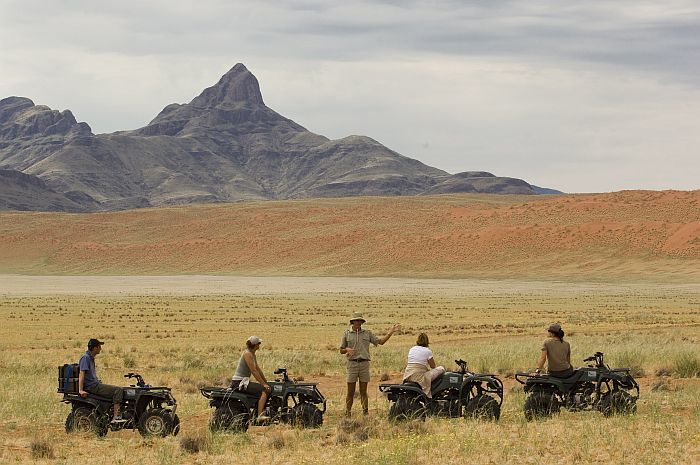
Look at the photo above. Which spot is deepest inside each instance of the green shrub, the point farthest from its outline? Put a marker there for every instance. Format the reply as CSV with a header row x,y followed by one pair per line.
x,y
686,366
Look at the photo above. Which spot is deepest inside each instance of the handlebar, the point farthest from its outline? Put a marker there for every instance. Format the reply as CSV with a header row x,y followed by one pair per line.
x,y
139,379
597,358
462,365
283,372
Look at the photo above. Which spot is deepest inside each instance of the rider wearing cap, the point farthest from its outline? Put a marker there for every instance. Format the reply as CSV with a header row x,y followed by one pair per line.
x,y
355,345
247,366
88,382
557,353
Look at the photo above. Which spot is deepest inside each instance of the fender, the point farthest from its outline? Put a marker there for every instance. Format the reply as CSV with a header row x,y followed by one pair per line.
x,y
483,384
312,396
623,378
402,389
546,384
219,396
491,381
92,403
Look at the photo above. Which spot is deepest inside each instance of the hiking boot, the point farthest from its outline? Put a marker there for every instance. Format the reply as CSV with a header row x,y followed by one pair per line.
x,y
262,419
117,419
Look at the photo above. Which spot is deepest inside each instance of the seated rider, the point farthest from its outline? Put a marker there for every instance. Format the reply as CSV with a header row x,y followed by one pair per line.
x,y
88,382
421,367
557,353
247,366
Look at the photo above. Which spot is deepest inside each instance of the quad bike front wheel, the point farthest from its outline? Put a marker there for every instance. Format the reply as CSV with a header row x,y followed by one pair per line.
x,y
540,405
156,422
618,402
85,420
306,415
482,407
176,424
228,418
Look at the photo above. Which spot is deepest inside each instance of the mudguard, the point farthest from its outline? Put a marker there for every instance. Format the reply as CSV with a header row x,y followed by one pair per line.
x,y
493,385
394,391
219,396
491,381
622,377
544,383
101,404
307,392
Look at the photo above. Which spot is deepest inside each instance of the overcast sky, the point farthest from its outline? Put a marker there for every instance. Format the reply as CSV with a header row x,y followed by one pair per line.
x,y
589,96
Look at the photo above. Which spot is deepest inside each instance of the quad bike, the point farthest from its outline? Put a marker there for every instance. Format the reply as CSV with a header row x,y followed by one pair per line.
x,y
453,394
289,401
594,387
149,409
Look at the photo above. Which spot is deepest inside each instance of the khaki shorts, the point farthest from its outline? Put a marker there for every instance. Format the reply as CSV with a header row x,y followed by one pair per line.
x,y
358,371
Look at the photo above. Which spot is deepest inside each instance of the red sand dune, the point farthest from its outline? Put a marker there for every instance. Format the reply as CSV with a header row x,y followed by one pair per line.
x,y
626,235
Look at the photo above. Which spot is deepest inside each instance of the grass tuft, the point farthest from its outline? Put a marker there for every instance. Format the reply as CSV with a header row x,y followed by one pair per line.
x,y
687,365
41,449
196,443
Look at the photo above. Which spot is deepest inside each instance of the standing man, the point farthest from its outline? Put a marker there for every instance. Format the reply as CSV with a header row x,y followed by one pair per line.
x,y
88,382
355,345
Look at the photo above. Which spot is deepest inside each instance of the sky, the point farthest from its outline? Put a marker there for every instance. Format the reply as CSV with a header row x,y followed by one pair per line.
x,y
592,96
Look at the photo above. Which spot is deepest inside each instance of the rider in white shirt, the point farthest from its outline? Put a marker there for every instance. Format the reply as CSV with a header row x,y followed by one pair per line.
x,y
421,367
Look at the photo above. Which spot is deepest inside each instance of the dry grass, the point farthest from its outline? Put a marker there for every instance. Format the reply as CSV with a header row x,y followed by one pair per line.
x,y
185,341
628,235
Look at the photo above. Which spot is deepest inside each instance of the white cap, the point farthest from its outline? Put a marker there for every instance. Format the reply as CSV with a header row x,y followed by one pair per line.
x,y
254,340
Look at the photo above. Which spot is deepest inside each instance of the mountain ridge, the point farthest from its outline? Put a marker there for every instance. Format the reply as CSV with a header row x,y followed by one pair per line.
x,y
225,145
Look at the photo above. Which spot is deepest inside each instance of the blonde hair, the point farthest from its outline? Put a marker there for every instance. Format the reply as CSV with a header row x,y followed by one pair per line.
x,y
422,340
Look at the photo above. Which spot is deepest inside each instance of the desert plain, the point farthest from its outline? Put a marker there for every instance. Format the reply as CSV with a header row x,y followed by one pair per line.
x,y
176,291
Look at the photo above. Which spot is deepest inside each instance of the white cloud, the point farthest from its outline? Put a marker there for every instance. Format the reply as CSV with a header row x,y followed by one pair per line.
x,y
592,96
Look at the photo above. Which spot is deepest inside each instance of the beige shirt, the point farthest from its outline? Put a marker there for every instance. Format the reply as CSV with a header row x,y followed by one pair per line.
x,y
359,341
558,354
418,373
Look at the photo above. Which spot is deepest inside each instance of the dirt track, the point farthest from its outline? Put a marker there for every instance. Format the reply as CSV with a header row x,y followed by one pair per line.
x,y
237,285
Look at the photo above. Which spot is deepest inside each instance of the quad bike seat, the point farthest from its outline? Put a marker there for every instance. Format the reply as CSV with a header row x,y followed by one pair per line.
x,y
574,378
436,382
76,396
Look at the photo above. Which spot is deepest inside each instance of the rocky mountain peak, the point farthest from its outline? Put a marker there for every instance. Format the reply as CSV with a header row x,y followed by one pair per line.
x,y
11,105
238,85
20,117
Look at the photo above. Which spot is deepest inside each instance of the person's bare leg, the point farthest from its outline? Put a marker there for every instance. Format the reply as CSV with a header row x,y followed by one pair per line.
x,y
261,402
349,398
115,411
363,397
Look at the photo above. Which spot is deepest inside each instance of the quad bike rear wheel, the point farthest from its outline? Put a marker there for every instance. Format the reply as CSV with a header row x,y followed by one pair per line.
x,y
540,405
618,402
85,420
235,419
483,407
156,422
406,408
306,415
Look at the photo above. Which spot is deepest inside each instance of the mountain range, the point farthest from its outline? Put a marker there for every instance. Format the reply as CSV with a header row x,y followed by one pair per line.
x,y
225,145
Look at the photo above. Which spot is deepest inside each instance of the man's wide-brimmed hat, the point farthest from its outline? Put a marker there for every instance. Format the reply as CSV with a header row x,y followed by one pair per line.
x,y
554,328
357,317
